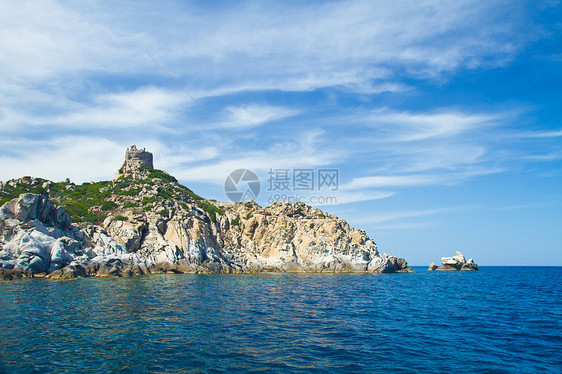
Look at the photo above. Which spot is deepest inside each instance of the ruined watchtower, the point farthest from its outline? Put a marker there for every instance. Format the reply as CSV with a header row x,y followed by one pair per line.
x,y
136,162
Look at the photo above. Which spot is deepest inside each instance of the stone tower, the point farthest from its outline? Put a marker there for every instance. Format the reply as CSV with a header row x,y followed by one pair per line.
x,y
135,160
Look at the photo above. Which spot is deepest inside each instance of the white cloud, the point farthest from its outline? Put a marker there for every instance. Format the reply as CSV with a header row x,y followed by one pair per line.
x,y
416,180
347,197
252,115
405,126
293,48
541,134
78,158
47,39
148,106
81,70
402,215
553,156
388,181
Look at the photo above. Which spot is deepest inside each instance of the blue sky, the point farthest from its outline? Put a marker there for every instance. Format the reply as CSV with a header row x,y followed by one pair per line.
x,y
455,142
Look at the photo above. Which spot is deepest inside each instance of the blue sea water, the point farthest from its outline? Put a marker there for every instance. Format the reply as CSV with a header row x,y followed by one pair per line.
x,y
498,319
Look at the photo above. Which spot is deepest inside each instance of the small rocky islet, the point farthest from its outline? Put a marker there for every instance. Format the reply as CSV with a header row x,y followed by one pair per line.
x,y
143,221
455,263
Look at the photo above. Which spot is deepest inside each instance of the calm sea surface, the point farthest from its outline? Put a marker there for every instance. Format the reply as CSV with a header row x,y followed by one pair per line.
x,y
498,319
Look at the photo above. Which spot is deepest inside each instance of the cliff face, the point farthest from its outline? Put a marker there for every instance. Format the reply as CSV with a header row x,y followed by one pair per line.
x,y
145,222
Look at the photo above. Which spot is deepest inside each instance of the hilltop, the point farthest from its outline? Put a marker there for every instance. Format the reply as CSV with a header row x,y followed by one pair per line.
x,y
144,221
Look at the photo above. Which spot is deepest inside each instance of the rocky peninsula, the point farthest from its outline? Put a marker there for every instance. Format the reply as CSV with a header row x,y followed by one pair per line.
x,y
143,221
454,263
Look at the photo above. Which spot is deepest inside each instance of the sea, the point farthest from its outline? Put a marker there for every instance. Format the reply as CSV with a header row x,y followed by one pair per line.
x,y
495,320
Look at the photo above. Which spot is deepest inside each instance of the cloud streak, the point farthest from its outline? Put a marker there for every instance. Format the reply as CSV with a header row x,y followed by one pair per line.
x,y
252,115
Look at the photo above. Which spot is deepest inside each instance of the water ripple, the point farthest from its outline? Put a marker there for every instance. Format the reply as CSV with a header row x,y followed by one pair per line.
x,y
500,320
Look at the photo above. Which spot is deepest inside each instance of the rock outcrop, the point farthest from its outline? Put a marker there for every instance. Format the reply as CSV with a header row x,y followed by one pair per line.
x,y
138,224
454,263
38,239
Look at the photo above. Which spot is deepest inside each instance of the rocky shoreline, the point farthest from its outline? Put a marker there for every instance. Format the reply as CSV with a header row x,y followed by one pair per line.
x,y
144,222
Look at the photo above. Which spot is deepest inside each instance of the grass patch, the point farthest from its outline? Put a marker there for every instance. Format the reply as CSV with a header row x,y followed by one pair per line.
x,y
210,209
159,174
130,204
189,193
130,192
108,205
148,200
165,195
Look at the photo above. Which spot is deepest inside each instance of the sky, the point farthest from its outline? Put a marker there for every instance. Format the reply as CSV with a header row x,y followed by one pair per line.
x,y
441,121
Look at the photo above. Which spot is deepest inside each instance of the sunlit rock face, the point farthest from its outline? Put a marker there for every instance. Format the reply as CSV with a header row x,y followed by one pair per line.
x,y
454,263
144,221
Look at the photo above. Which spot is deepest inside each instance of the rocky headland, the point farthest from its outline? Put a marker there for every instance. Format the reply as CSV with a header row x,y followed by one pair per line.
x,y
143,221
454,263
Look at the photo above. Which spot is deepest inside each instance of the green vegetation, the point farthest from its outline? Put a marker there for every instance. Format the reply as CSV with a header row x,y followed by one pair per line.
x,y
234,222
130,204
189,193
155,173
248,216
165,195
311,225
79,201
210,209
130,192
11,192
320,215
92,202
108,205
163,212
148,200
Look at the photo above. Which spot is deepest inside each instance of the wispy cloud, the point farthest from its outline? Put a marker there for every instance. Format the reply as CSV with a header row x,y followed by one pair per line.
x,y
81,70
79,158
147,106
388,181
405,126
553,156
540,134
252,115
401,215
293,48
